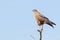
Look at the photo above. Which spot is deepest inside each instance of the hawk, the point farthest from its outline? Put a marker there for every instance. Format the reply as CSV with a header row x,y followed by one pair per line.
x,y
41,19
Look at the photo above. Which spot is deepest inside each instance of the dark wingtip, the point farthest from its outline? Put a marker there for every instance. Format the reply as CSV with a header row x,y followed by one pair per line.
x,y
53,23
52,26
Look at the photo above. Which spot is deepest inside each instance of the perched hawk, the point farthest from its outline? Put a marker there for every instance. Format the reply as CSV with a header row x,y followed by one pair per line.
x,y
41,19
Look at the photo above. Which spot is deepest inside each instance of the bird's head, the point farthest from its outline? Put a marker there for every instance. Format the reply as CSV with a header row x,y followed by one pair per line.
x,y
34,10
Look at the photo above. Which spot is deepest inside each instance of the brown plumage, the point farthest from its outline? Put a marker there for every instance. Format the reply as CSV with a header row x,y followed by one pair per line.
x,y
41,19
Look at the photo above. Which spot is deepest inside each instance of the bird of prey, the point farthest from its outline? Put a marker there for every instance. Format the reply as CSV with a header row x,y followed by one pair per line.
x,y
41,19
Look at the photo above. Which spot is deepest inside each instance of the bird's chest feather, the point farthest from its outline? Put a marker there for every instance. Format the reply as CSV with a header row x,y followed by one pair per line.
x,y
37,17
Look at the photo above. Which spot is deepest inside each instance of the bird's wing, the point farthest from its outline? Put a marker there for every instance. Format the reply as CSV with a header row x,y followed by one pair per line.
x,y
47,21
40,21
42,16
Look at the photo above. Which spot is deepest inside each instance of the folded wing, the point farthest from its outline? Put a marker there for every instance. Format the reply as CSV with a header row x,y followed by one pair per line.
x,y
45,20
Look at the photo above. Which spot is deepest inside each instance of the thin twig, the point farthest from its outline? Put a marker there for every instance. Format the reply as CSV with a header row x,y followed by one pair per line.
x,y
40,31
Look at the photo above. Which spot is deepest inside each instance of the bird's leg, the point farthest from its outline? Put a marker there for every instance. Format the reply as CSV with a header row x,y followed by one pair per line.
x,y
42,27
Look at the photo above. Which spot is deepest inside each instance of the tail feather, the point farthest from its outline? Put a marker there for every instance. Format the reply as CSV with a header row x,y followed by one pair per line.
x,y
53,23
50,25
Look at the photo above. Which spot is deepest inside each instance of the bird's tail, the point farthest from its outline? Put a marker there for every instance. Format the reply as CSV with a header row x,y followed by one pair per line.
x,y
53,23
50,25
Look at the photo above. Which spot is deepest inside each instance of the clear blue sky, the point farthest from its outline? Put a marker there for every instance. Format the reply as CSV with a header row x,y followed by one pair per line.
x,y
17,20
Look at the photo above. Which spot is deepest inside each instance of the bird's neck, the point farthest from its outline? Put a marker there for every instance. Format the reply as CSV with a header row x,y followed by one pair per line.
x,y
36,13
